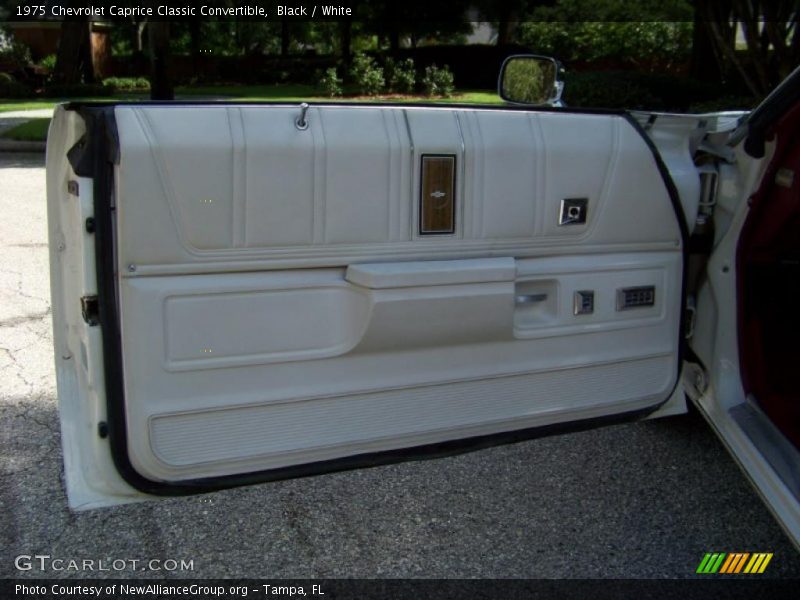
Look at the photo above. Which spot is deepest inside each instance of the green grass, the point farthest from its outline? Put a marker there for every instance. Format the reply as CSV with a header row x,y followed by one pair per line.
x,y
13,105
248,92
261,93
299,93
34,130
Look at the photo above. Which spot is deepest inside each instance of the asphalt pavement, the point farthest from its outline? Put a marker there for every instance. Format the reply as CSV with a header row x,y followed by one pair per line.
x,y
635,500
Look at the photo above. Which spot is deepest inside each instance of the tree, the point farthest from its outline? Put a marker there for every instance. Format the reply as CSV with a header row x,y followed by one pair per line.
x,y
705,64
285,36
417,20
160,82
770,34
506,15
346,40
74,56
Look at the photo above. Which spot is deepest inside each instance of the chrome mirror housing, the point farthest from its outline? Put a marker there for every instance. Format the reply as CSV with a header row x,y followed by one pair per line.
x,y
530,79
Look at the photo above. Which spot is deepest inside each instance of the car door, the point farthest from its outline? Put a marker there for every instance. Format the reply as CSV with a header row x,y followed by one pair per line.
x,y
243,293
743,380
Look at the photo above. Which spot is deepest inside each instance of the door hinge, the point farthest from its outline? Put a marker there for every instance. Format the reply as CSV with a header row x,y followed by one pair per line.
x,y
695,380
90,310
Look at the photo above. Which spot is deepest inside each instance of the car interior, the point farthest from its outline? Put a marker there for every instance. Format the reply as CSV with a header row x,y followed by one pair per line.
x,y
769,284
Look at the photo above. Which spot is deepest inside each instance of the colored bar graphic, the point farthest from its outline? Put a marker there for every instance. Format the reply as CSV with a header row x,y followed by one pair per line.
x,y
734,563
764,564
718,562
703,563
727,564
711,562
754,563
741,562
730,564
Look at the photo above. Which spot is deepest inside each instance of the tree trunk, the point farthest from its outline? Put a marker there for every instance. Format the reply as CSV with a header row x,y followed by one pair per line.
x,y
770,33
284,37
137,36
706,63
160,83
503,32
507,25
345,40
74,57
194,43
728,50
394,39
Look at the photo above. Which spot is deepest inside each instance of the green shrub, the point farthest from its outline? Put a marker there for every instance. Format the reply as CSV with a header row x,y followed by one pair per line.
x,y
15,89
635,90
78,90
645,33
16,56
400,76
627,42
10,88
128,84
330,84
609,89
438,81
367,76
48,62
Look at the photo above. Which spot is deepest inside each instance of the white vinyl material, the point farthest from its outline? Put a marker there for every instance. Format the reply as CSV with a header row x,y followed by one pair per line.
x,y
432,272
237,187
297,432
279,307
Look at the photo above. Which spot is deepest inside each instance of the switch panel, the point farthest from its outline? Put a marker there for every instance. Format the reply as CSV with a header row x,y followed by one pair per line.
x,y
583,302
636,297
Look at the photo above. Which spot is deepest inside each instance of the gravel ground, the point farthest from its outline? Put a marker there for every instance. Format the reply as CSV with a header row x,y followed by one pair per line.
x,y
636,500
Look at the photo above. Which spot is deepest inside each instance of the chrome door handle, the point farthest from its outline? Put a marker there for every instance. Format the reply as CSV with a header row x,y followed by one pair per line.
x,y
529,298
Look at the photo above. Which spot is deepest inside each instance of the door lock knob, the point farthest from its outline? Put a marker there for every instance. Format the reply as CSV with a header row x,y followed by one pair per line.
x,y
573,211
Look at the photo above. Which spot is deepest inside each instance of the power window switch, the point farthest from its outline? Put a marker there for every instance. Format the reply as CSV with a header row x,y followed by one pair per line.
x,y
583,302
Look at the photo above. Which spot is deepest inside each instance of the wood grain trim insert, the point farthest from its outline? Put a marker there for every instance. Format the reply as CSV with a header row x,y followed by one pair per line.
x,y
437,208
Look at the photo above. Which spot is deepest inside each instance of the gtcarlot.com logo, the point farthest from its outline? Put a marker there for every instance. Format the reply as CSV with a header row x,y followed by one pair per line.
x,y
734,563
46,562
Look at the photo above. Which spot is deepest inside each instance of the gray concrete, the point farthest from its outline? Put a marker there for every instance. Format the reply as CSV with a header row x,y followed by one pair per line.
x,y
635,500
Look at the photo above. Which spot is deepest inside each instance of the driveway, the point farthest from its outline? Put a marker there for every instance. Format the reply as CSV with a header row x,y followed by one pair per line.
x,y
636,500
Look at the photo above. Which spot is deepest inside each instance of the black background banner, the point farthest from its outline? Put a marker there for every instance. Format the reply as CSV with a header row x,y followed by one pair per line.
x,y
439,11
168,10
155,10
743,587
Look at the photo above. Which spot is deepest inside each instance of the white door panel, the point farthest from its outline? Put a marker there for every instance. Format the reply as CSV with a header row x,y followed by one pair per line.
x,y
279,305
349,192
239,354
265,436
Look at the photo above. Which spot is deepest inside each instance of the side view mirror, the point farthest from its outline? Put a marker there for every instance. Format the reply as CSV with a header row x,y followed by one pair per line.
x,y
530,79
